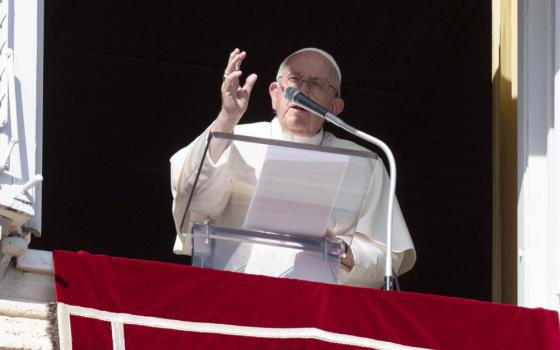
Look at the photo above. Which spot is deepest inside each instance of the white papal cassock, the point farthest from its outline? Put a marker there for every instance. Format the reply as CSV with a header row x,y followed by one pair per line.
x,y
368,243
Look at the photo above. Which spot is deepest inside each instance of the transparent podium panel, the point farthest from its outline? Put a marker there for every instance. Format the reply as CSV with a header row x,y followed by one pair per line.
x,y
276,208
267,253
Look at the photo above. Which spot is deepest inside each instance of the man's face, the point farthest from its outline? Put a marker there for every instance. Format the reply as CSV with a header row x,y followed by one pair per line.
x,y
295,120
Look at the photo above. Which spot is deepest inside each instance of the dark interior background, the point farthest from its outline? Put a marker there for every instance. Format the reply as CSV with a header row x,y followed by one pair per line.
x,y
126,84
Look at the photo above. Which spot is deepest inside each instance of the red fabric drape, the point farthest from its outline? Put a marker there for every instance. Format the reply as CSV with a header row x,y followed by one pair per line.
x,y
185,293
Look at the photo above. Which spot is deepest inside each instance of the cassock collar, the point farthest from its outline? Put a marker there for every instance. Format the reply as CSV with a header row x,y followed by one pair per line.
x,y
278,134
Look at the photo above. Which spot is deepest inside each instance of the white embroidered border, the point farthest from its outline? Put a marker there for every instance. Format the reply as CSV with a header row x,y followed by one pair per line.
x,y
119,319
117,333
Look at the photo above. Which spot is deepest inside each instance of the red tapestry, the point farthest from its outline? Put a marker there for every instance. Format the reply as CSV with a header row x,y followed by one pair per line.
x,y
115,303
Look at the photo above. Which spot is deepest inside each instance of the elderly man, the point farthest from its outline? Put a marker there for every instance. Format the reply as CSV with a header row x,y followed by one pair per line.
x,y
316,74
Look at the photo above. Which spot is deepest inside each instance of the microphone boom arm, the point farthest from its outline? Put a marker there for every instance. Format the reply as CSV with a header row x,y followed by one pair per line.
x,y
296,96
389,280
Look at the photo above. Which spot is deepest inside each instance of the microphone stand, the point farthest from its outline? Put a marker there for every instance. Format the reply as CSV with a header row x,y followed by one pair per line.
x,y
294,95
389,280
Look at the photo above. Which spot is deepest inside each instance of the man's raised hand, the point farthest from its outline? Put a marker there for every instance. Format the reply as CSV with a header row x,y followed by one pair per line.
x,y
235,98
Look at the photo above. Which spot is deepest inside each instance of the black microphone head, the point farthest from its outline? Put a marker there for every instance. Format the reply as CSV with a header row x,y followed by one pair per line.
x,y
291,92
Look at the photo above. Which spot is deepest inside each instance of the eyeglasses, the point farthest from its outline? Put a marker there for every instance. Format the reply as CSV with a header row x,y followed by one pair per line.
x,y
316,86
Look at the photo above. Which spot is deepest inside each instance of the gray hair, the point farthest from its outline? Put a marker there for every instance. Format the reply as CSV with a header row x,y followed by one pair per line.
x,y
323,53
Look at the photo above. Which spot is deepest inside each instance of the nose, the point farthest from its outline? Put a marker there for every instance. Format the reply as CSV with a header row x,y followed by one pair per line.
x,y
304,87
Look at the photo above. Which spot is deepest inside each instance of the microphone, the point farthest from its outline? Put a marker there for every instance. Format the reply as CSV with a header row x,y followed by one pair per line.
x,y
297,97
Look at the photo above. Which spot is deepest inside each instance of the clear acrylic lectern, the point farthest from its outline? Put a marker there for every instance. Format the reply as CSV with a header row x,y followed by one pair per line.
x,y
276,208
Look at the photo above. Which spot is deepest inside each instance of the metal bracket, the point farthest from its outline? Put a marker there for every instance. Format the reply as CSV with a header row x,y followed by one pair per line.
x,y
12,244
5,157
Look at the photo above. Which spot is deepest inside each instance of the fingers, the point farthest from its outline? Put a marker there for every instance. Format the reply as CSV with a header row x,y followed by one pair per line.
x,y
232,76
230,59
249,83
235,96
329,233
234,62
231,80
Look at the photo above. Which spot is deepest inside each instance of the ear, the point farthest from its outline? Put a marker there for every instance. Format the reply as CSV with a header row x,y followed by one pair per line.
x,y
337,106
273,91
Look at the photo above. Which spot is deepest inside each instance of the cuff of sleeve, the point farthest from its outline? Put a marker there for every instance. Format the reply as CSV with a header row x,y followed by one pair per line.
x,y
223,158
369,263
183,244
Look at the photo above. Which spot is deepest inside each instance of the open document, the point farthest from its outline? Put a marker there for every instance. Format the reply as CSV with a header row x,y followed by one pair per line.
x,y
296,191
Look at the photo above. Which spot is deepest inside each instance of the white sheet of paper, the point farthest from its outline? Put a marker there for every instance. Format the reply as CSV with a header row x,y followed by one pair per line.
x,y
296,191
290,263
